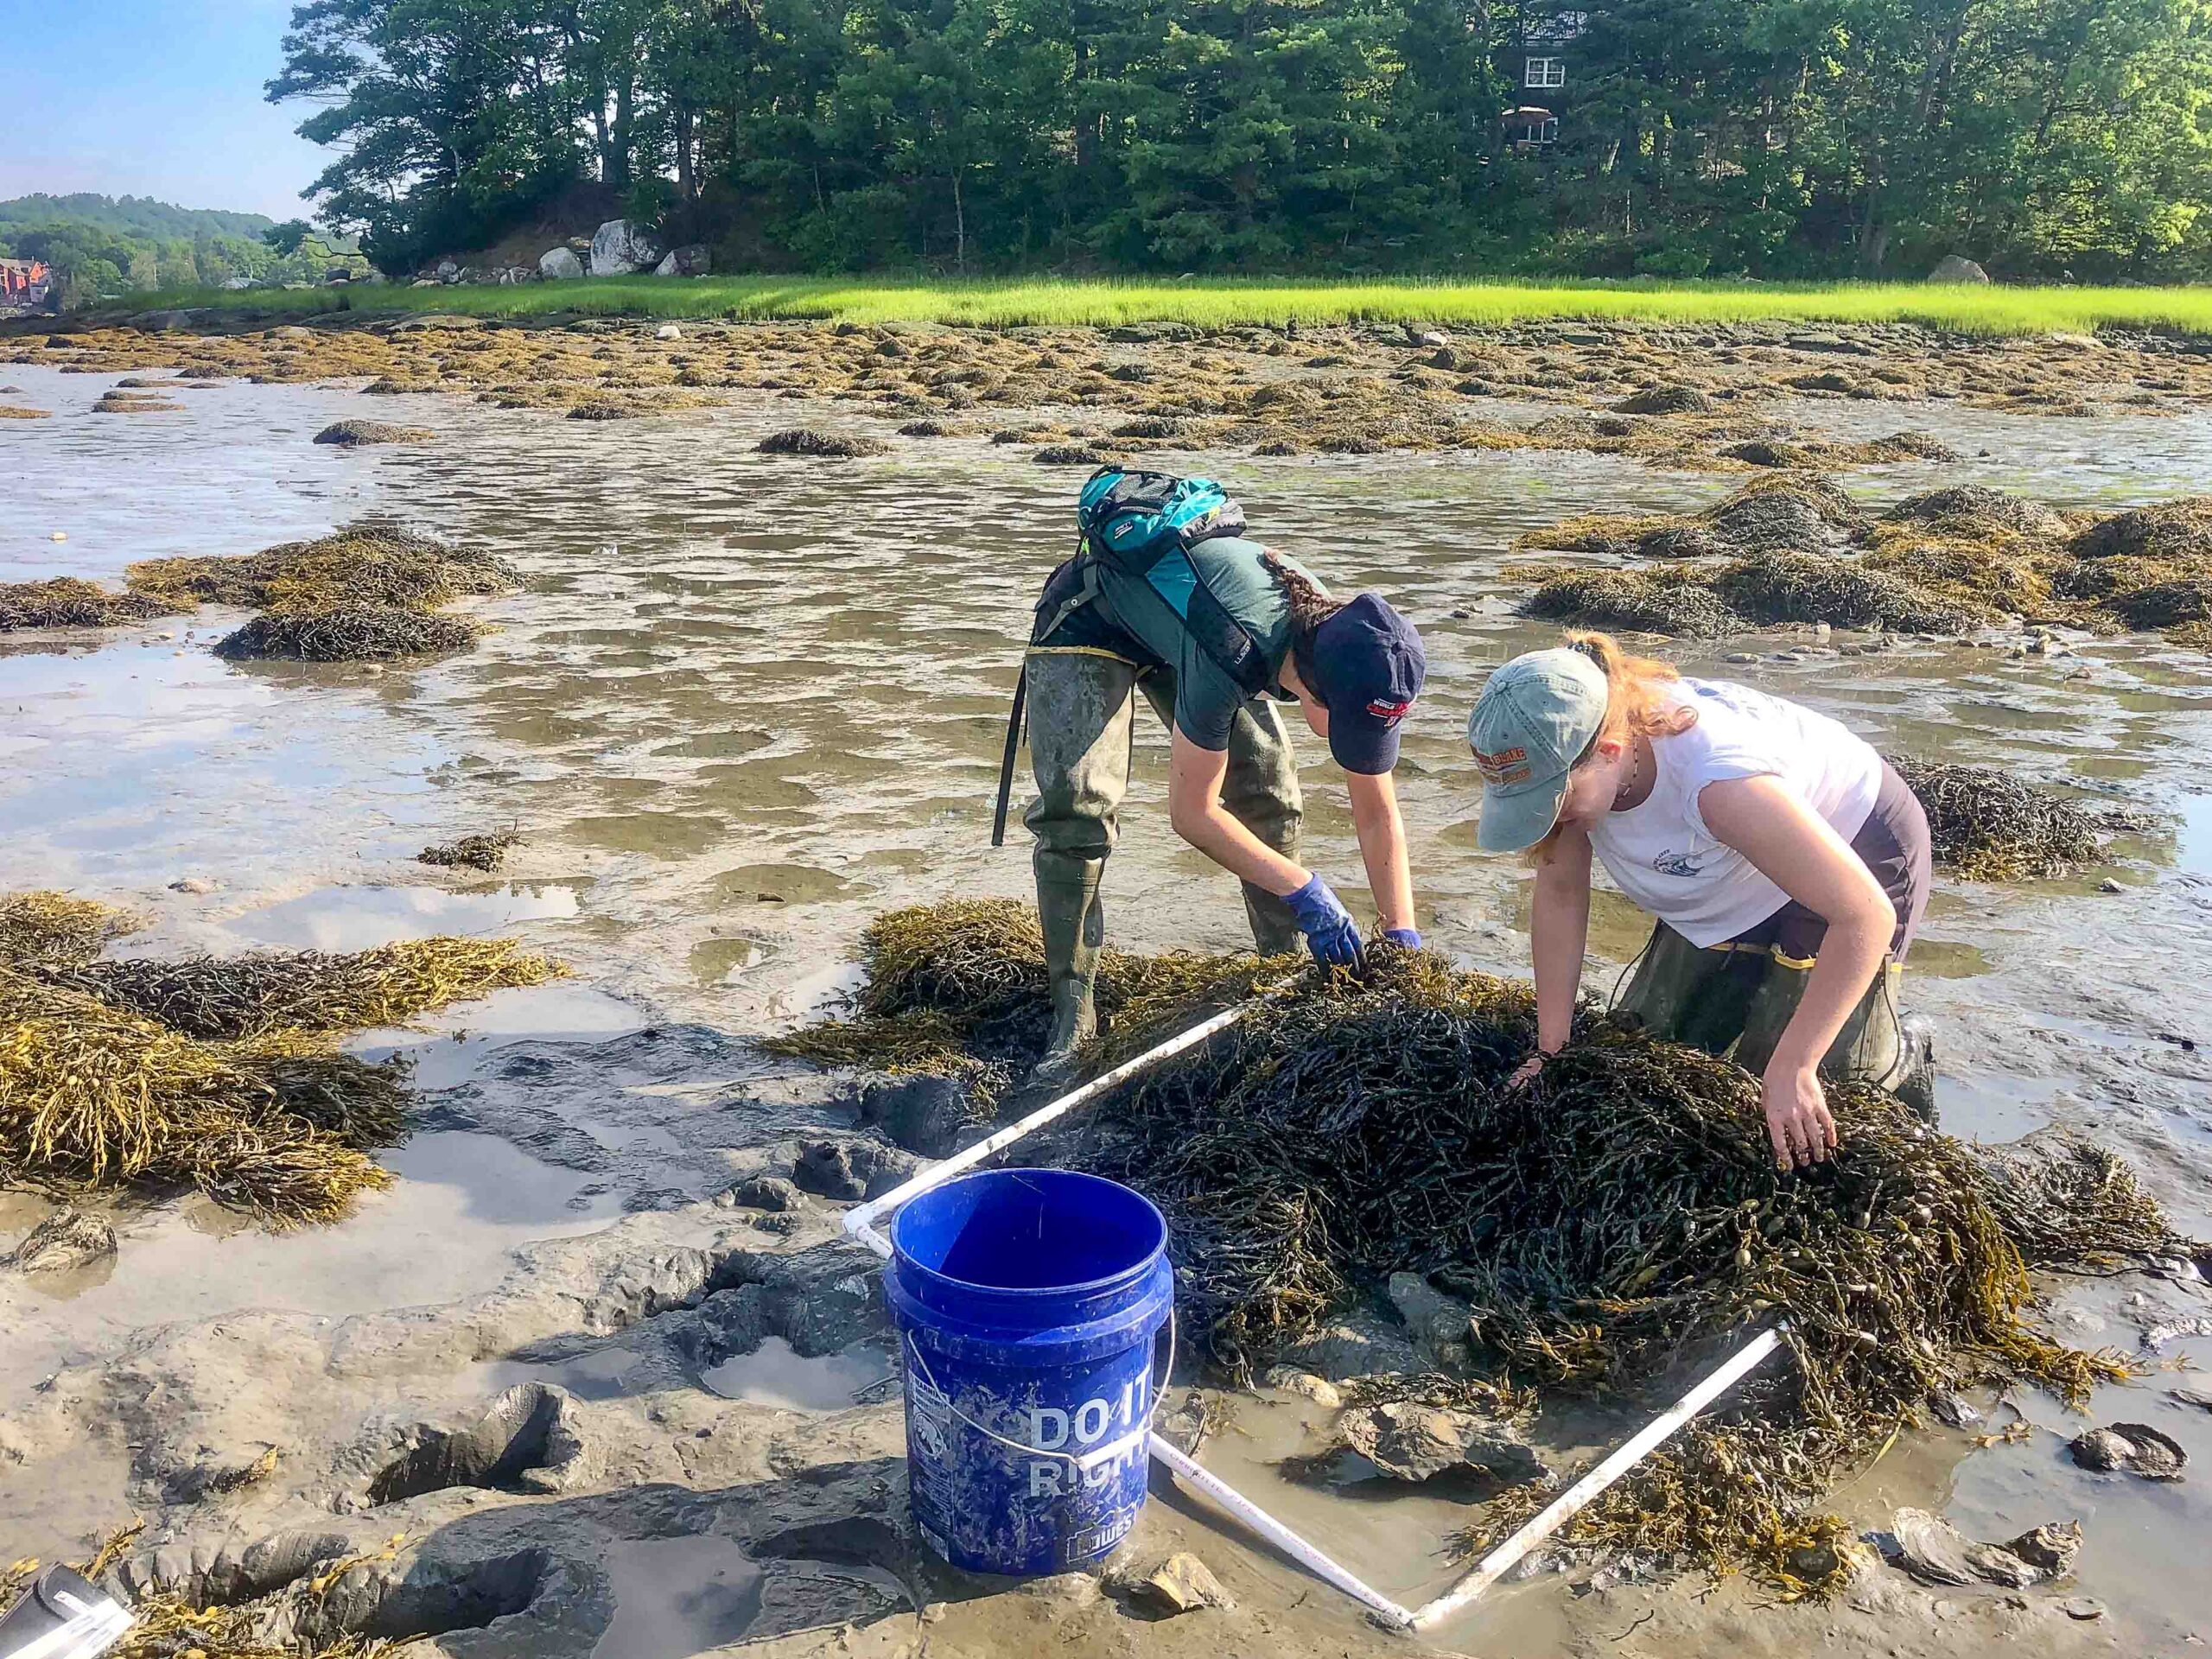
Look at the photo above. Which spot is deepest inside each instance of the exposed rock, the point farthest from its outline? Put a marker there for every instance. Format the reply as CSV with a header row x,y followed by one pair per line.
x,y
1955,268
1416,1443
1437,1323
770,1192
61,1241
692,259
934,1117
1361,1344
2132,1448
1291,1380
194,884
556,264
354,433
619,248
1181,1584
851,1169
668,330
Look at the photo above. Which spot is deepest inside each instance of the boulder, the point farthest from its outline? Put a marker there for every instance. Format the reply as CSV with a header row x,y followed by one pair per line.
x,y
621,249
556,264
692,259
447,270
1415,1443
1953,268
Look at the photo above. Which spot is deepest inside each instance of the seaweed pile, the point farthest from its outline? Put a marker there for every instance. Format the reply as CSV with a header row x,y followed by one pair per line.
x,y
1763,591
369,593
72,602
1621,1213
959,989
219,1074
480,852
1940,563
1990,826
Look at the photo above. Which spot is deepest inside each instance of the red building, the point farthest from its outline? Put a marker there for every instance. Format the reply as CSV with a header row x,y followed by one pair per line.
x,y
22,282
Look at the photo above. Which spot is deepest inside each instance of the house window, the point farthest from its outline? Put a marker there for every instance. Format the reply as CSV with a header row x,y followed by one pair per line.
x,y
1546,71
1545,131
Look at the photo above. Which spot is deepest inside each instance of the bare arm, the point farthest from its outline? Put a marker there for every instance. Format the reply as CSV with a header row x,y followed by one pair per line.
x,y
1559,934
1383,846
1797,850
1194,777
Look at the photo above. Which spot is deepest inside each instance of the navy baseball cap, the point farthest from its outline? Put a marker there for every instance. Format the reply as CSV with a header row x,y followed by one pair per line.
x,y
1368,666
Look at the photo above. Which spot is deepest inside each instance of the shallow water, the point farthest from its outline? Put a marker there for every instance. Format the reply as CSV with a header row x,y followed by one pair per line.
x,y
774,1373
748,701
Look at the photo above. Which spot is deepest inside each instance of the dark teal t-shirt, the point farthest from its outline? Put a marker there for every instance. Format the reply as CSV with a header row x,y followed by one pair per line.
x,y
1149,612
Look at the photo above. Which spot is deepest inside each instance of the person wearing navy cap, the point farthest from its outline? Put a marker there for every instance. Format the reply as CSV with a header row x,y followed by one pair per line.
x,y
1165,598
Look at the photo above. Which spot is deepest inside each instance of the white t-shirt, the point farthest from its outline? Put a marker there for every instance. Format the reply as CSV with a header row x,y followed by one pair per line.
x,y
1661,855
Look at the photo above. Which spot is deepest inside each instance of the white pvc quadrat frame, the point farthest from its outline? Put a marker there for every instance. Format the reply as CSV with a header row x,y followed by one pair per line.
x,y
859,1223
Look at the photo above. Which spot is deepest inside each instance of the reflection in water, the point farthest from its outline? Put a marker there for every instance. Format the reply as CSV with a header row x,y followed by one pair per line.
x,y
775,1375
676,1597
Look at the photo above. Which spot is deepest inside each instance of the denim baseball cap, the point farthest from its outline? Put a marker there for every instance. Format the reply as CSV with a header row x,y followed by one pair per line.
x,y
1370,667
1531,724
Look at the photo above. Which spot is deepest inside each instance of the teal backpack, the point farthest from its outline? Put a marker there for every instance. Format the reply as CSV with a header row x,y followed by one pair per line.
x,y
1133,519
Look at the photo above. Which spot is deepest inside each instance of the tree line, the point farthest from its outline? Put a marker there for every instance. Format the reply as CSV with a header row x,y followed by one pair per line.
x,y
99,247
1776,138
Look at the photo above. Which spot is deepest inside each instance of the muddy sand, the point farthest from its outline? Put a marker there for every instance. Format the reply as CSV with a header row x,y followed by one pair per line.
x,y
567,1388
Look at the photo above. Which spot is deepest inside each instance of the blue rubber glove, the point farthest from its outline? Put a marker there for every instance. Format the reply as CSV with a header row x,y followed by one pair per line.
x,y
1405,938
1330,934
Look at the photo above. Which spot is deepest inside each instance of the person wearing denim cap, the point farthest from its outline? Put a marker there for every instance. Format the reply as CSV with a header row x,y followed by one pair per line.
x,y
1786,862
1215,636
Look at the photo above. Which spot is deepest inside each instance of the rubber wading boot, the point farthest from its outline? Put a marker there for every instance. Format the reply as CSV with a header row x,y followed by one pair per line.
x,y
1917,1087
1073,920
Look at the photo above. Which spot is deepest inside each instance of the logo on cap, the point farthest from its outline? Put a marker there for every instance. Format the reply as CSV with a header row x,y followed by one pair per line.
x,y
1387,712
1504,767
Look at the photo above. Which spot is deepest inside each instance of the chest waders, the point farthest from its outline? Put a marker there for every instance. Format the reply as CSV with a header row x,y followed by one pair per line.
x,y
1168,571
1081,678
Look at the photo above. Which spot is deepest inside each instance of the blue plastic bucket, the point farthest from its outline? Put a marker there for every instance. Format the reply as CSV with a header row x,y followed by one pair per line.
x,y
1028,1302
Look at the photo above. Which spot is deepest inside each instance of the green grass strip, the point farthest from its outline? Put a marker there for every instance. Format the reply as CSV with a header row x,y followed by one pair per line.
x,y
1213,303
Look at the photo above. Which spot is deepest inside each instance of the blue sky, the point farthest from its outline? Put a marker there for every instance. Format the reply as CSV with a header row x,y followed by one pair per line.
x,y
151,97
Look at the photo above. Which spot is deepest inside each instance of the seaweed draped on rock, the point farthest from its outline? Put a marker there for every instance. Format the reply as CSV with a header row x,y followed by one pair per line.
x,y
1621,1214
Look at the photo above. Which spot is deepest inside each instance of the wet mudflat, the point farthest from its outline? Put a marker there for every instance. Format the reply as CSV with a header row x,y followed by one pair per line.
x,y
745,703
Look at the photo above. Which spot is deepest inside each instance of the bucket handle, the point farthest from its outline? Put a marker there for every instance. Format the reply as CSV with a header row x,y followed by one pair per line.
x,y
1084,1462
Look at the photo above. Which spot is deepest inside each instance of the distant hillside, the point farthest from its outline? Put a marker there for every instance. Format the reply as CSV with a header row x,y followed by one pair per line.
x,y
131,216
